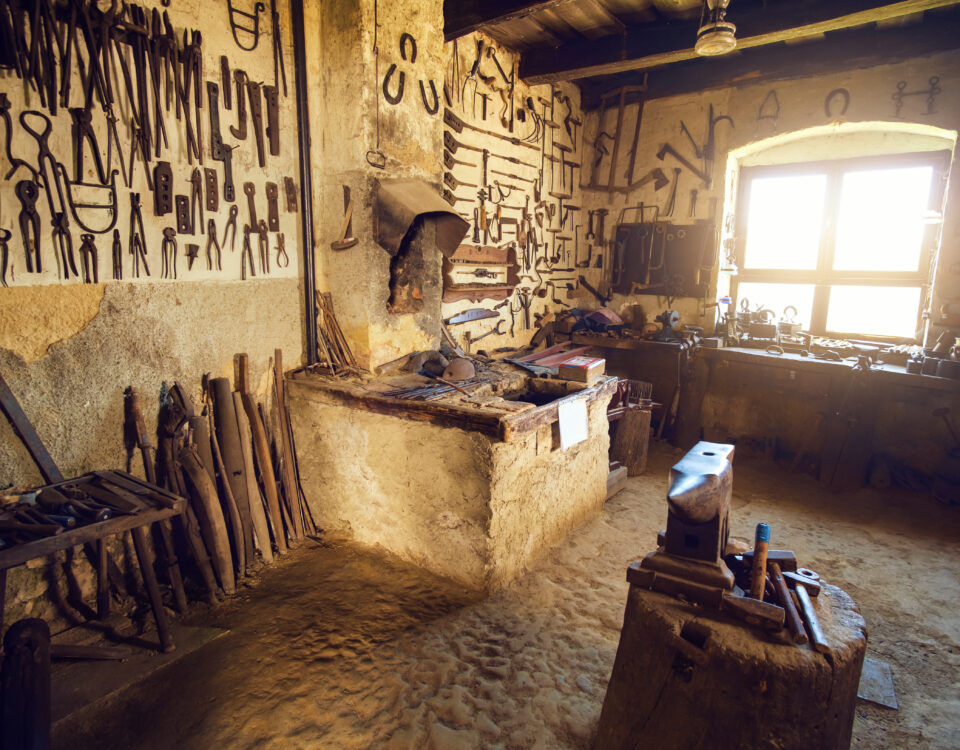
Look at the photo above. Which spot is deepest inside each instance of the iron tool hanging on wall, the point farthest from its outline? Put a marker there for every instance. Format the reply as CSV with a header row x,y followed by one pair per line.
x,y
238,19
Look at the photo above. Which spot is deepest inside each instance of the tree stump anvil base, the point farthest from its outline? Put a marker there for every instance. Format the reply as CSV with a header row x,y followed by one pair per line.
x,y
689,677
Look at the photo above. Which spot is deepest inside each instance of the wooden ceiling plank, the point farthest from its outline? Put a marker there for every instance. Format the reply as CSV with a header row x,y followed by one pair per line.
x,y
648,46
838,51
461,17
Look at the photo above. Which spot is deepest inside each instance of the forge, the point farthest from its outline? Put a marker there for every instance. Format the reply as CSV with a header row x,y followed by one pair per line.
x,y
469,488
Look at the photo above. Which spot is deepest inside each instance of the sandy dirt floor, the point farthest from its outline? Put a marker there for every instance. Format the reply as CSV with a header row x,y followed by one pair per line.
x,y
342,647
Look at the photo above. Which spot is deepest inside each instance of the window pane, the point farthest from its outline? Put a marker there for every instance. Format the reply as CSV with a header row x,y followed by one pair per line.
x,y
776,297
784,221
874,310
881,219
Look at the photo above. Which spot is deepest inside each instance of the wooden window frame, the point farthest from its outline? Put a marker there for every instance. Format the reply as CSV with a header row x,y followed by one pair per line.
x,y
823,277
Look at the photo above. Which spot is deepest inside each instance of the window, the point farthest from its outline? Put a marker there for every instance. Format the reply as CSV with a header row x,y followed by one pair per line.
x,y
847,243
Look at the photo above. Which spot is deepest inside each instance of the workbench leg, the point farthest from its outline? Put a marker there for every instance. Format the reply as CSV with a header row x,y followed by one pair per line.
x,y
140,543
103,581
173,566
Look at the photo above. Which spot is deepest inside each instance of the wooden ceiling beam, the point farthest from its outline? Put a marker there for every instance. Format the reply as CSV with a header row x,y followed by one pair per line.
x,y
841,50
648,46
461,17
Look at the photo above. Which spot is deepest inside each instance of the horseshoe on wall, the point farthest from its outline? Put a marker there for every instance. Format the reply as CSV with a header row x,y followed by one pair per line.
x,y
423,96
386,87
404,38
843,94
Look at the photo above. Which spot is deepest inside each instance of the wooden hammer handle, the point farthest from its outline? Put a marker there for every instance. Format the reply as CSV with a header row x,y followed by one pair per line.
x,y
794,624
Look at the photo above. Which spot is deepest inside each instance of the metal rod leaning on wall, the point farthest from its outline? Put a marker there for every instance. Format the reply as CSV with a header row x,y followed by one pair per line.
x,y
306,184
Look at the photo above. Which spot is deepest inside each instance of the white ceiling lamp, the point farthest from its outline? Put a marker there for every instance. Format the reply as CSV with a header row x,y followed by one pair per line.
x,y
716,36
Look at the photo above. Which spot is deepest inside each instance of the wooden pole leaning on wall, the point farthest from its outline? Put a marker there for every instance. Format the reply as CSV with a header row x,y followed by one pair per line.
x,y
288,476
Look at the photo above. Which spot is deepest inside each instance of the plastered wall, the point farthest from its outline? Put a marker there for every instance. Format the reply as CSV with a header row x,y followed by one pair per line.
x,y
69,349
801,106
346,80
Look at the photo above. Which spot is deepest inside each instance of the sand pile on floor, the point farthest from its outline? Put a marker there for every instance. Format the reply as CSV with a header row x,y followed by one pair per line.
x,y
339,647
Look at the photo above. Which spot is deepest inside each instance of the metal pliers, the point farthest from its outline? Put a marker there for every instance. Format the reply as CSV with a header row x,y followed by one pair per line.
x,y
168,254
283,260
83,132
27,193
88,253
246,254
212,242
264,247
138,239
231,224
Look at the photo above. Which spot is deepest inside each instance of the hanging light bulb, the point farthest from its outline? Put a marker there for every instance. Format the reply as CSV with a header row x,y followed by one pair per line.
x,y
716,36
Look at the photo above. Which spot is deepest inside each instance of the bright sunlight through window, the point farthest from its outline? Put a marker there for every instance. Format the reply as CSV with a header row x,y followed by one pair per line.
x,y
846,242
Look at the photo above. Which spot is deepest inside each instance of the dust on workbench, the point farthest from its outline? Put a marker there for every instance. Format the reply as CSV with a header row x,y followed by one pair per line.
x,y
341,647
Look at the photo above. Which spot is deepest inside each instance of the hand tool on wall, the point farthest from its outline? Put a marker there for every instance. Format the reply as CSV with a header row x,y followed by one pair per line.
x,y
54,190
256,116
192,253
138,238
710,147
245,25
226,82
83,133
271,97
290,189
240,80
279,71
347,240
668,149
263,246
472,78
469,340
5,235
116,252
672,200
212,243
211,189
283,260
246,253
656,176
218,150
250,190
449,162
693,143
89,259
27,193
162,188
196,201
457,125
273,208
168,254
231,225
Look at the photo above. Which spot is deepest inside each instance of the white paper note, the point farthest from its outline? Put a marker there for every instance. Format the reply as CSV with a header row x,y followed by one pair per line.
x,y
573,422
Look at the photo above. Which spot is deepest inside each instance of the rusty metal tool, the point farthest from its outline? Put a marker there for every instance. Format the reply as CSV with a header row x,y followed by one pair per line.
x,y
240,80
5,235
668,149
138,239
168,254
211,189
256,115
283,260
247,24
347,240
246,255
793,622
212,243
196,200
218,150
450,162
279,71
273,208
27,193
226,82
470,340
472,78
89,259
813,622
271,96
457,124
231,224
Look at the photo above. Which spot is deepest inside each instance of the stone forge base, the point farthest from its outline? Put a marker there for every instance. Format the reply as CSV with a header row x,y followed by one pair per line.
x,y
686,679
475,503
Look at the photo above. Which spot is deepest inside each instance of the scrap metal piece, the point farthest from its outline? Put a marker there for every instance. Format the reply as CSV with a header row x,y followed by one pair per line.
x,y
183,214
212,191
271,95
290,188
162,188
273,209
